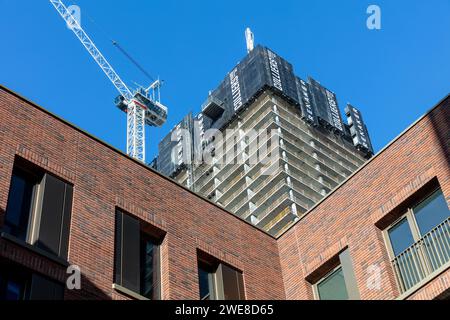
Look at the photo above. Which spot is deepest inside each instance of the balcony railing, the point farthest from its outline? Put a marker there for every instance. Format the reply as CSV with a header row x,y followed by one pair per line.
x,y
258,189
277,219
234,182
330,144
424,257
266,213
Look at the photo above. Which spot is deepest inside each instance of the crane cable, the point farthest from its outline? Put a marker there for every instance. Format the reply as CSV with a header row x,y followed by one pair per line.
x,y
120,48
126,54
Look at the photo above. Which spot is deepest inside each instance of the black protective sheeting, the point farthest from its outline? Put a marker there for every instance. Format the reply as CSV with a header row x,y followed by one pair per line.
x,y
307,109
358,129
326,106
260,70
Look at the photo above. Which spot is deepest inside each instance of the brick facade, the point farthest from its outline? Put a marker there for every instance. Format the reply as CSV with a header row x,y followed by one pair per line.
x,y
350,216
104,179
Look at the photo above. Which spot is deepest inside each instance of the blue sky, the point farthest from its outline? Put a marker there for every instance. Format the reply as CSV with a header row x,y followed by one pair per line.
x,y
393,75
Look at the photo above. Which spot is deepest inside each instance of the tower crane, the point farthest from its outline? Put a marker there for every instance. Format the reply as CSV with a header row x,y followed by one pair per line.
x,y
142,106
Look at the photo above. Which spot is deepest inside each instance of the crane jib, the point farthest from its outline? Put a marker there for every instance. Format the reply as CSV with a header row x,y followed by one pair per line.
x,y
90,46
154,114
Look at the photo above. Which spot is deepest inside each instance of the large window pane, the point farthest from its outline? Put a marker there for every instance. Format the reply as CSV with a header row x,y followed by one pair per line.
x,y
12,283
428,254
39,209
431,212
149,265
333,287
19,204
204,279
53,212
13,291
18,283
401,237
137,258
232,283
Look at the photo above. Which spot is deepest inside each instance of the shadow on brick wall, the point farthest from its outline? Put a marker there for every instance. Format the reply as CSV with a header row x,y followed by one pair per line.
x,y
2,217
21,257
88,291
440,120
444,295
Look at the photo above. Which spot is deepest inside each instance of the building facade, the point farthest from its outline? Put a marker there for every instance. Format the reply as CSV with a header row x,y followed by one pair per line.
x,y
67,199
267,145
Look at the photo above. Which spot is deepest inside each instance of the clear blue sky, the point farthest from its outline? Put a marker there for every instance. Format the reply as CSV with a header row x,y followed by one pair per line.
x,y
393,75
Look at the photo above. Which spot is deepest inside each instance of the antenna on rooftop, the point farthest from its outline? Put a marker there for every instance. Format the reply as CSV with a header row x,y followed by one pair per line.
x,y
250,39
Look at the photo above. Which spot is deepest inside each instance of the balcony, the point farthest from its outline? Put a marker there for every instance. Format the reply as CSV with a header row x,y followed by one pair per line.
x,y
282,215
273,210
257,185
332,148
233,184
213,108
425,257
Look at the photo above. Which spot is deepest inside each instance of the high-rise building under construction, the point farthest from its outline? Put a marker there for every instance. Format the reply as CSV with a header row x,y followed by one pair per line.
x,y
263,108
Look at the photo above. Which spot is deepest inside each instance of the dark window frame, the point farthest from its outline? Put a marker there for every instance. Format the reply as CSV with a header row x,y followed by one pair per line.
x,y
209,269
33,286
33,178
218,272
416,263
145,233
146,238
45,231
16,275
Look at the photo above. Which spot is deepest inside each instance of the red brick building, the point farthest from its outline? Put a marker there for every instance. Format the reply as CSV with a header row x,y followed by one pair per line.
x,y
65,200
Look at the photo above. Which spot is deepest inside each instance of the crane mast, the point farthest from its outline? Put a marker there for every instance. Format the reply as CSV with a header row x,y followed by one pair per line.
x,y
142,107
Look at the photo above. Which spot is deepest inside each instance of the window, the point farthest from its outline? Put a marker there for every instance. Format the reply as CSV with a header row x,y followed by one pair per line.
x,y
419,241
149,267
218,281
12,286
17,283
431,212
137,260
206,282
20,202
401,236
339,283
38,210
332,287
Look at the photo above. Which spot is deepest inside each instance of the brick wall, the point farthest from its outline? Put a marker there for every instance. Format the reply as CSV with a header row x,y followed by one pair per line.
x,y
104,179
349,217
